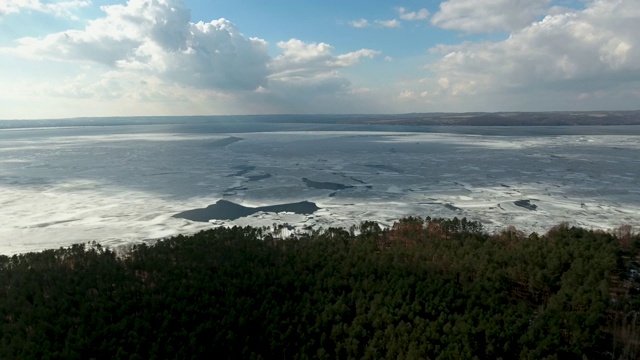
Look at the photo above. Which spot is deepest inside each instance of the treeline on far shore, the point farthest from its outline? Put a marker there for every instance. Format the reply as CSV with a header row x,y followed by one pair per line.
x,y
423,289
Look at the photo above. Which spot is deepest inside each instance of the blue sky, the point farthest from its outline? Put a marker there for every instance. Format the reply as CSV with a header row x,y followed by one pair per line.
x,y
72,58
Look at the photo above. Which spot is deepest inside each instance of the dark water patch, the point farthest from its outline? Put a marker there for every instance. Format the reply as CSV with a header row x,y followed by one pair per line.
x,y
164,173
223,142
227,210
259,177
238,188
46,224
325,185
526,204
385,168
503,185
447,206
452,208
357,180
233,191
242,169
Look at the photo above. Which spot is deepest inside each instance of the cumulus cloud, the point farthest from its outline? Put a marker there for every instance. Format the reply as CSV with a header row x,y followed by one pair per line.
x,y
362,23
403,13
472,16
157,36
421,14
580,53
312,63
393,23
406,95
149,50
307,77
61,8
217,56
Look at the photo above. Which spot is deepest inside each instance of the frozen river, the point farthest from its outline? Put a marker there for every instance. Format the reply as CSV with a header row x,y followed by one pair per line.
x,y
124,184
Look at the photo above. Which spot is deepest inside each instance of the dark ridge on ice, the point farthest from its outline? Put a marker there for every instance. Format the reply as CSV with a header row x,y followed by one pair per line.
x,y
325,185
223,142
453,208
357,180
242,169
258,177
227,210
386,168
526,204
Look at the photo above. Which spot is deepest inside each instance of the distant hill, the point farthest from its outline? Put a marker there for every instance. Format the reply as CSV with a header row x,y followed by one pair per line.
x,y
568,118
508,118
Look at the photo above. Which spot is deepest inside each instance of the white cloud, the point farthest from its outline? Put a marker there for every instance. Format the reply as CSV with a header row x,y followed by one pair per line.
x,y
219,56
406,95
360,90
61,8
474,16
421,14
362,23
393,23
307,77
301,62
296,51
113,86
352,58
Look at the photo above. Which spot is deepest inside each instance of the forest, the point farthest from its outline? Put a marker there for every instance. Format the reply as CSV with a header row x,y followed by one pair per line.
x,y
422,289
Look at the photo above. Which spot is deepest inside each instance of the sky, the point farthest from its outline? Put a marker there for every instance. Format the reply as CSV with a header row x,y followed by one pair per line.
x,y
76,58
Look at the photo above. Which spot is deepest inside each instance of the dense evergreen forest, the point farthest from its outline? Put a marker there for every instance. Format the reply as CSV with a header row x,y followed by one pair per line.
x,y
424,289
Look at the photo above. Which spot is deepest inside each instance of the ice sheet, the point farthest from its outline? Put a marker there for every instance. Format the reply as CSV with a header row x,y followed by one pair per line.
x,y
60,188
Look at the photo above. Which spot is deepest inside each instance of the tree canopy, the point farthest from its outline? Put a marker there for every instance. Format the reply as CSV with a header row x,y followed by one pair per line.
x,y
424,289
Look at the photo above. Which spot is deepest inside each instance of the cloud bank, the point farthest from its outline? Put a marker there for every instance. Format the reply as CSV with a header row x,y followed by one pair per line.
x,y
559,61
60,8
147,57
